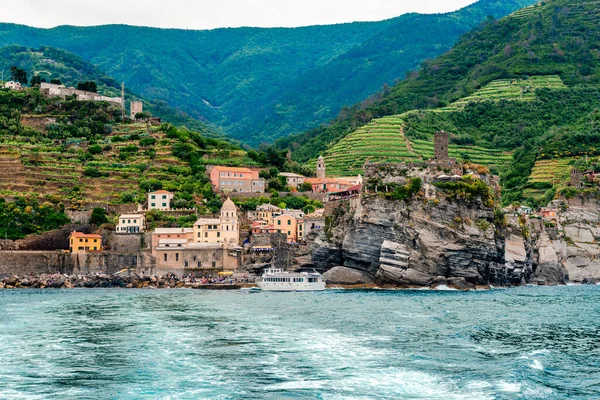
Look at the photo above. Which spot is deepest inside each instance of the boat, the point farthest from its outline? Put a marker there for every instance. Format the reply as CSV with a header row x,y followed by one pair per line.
x,y
278,280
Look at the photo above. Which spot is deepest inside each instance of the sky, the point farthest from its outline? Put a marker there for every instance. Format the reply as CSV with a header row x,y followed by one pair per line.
x,y
209,14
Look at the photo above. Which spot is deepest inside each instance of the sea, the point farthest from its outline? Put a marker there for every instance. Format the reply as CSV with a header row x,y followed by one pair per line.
x,y
519,343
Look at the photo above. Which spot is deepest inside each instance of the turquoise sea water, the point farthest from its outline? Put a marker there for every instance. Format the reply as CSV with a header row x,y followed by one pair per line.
x,y
523,343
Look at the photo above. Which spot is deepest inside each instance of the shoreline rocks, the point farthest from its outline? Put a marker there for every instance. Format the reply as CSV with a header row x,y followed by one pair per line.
x,y
59,281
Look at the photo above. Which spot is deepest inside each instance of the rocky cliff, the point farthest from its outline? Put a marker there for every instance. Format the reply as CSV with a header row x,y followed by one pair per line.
x,y
420,242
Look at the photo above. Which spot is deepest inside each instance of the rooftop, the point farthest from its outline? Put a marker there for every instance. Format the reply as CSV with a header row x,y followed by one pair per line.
x,y
131,216
86,235
166,231
161,192
232,169
207,221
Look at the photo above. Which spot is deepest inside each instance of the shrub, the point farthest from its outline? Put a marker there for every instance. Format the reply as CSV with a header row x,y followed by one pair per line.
x,y
95,149
147,141
93,172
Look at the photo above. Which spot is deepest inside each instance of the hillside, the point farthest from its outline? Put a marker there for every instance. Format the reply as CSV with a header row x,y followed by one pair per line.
x,y
260,84
80,153
52,63
524,84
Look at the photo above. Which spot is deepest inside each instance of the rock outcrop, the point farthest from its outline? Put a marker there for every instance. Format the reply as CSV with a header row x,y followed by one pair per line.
x,y
420,243
347,276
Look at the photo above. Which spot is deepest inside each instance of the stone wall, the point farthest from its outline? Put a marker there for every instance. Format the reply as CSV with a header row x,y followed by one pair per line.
x,y
23,263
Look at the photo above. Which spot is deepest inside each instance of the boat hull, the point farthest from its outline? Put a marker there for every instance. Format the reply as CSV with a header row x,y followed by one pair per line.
x,y
291,286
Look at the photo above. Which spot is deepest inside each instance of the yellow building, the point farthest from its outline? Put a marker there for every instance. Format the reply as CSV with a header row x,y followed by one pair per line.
x,y
84,242
291,226
225,229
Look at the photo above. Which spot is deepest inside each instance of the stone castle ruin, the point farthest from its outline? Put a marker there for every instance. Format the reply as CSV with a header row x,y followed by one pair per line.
x,y
440,146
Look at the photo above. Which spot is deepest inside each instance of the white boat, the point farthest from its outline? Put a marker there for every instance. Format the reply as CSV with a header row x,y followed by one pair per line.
x,y
278,280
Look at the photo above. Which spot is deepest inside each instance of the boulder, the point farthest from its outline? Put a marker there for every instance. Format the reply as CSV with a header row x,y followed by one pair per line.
x,y
588,281
460,284
347,276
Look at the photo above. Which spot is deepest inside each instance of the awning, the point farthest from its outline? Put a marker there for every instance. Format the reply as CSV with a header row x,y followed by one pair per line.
x,y
261,247
226,273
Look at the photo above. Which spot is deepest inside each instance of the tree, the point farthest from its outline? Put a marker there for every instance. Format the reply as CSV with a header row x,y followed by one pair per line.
x,y
36,80
18,75
305,187
55,81
88,86
98,216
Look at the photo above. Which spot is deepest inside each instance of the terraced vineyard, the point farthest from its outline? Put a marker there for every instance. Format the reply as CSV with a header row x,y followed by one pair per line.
x,y
512,89
553,172
383,140
59,169
527,12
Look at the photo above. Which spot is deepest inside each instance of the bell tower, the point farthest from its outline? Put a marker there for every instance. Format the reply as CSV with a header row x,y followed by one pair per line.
x,y
320,167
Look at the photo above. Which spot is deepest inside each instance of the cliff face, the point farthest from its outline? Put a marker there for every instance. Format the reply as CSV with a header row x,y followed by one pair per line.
x,y
419,242
567,248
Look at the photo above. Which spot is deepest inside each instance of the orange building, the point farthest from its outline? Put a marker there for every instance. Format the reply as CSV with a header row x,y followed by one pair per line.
x,y
235,179
84,242
291,226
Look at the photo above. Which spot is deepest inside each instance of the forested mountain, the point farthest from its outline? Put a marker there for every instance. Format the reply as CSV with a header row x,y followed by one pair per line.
x,y
527,84
260,84
50,63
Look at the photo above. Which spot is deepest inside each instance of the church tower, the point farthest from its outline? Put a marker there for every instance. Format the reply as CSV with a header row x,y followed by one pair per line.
x,y
320,167
230,229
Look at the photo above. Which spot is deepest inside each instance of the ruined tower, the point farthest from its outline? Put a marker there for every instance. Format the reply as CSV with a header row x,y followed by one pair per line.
x,y
135,107
320,167
575,180
440,146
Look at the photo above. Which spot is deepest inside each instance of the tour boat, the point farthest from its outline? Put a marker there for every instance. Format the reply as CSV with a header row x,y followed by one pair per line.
x,y
278,280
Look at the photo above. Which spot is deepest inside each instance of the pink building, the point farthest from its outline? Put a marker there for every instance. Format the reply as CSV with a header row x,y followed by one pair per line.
x,y
235,179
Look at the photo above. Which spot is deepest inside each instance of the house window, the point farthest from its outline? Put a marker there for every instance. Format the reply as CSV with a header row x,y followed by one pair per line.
x,y
289,221
164,204
218,234
164,196
153,197
198,234
289,233
205,234
153,205
279,222
176,256
165,257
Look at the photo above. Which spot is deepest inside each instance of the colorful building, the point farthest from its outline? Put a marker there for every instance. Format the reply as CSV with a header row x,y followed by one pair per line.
x,y
290,226
160,200
225,230
159,234
131,223
85,242
235,179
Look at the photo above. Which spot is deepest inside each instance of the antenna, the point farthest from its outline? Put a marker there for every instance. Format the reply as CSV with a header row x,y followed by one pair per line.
x,y
123,101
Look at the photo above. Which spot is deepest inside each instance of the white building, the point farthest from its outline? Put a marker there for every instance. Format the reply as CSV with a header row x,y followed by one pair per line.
x,y
314,221
131,223
160,200
12,85
293,180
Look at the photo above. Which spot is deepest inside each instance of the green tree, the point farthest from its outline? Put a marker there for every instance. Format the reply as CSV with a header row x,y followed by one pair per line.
x,y
98,216
18,75
88,86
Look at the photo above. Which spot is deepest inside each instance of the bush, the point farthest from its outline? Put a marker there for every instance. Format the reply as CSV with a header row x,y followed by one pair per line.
x,y
147,141
98,216
93,172
95,149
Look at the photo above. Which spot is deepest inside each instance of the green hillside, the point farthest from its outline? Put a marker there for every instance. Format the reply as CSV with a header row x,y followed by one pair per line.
x,y
50,63
80,153
383,140
527,84
260,84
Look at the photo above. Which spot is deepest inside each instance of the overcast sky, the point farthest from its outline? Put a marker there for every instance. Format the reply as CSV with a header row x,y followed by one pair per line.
x,y
207,14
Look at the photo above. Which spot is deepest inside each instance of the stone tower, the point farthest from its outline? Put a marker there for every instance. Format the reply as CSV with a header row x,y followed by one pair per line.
x,y
440,146
135,107
320,167
575,180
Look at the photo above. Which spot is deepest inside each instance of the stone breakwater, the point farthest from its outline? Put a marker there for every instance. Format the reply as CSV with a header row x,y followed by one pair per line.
x,y
59,281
